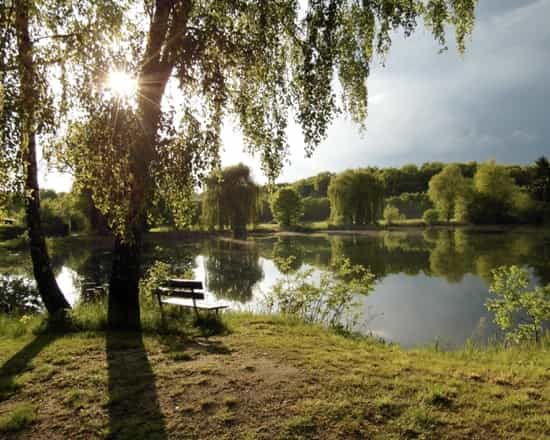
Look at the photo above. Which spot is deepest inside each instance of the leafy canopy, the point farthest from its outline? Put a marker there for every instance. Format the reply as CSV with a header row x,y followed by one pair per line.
x,y
287,207
356,197
448,190
495,181
62,34
231,199
261,62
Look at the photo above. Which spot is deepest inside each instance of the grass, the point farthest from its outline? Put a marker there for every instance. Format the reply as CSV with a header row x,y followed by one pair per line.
x,y
269,377
17,418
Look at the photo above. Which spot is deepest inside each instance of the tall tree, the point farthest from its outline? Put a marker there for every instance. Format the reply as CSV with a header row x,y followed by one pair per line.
x,y
495,181
257,60
448,190
286,206
231,200
496,198
36,39
356,197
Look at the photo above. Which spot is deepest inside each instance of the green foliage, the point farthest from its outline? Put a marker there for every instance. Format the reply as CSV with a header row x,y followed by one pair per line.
x,y
412,205
287,207
409,178
321,183
69,34
315,186
356,197
15,326
231,200
333,301
431,216
392,214
494,180
316,209
540,187
18,295
497,198
264,209
449,191
521,314
156,275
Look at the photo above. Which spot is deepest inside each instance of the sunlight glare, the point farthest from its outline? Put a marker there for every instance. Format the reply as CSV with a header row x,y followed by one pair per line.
x,y
121,83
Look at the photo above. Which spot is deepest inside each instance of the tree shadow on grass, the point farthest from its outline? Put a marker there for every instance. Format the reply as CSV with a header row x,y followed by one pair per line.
x,y
19,363
134,410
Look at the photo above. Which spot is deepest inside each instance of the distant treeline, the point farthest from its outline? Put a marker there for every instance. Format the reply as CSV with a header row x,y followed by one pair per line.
x,y
407,188
473,192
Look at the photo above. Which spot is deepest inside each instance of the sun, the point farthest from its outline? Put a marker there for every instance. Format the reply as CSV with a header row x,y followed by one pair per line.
x,y
121,83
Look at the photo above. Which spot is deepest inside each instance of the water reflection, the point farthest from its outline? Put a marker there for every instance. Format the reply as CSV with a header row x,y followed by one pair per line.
x,y
430,284
232,269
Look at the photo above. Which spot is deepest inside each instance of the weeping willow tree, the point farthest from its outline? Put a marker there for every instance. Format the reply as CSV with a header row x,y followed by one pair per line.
x,y
356,197
197,62
37,40
231,200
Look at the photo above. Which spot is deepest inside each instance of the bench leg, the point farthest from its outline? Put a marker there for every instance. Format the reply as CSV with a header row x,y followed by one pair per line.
x,y
162,320
195,308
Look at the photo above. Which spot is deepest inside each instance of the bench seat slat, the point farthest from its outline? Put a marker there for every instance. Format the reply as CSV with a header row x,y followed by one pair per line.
x,y
185,302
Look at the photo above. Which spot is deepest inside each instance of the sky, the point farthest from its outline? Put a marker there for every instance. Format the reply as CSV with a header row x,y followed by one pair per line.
x,y
490,103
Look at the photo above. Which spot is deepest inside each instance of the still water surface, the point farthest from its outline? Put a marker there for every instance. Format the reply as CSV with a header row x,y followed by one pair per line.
x,y
430,285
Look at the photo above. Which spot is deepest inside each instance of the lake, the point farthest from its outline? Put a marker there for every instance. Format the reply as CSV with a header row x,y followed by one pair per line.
x,y
431,286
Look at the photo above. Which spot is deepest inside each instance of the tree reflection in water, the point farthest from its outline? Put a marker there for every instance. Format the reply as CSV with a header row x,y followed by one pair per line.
x,y
232,269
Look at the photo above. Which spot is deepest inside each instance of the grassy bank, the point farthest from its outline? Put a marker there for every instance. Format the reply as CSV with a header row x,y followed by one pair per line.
x,y
268,377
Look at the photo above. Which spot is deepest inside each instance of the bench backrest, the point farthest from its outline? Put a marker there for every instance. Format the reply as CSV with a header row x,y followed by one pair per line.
x,y
181,288
184,284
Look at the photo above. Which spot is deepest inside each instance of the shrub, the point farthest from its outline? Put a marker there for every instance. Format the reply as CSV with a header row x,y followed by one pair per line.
x,y
431,216
411,205
331,302
392,214
521,314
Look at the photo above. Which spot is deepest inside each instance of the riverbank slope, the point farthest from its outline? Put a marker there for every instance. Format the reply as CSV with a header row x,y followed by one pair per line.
x,y
269,378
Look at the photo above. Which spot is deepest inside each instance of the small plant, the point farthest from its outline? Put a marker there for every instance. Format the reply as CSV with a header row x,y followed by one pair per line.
x,y
392,214
209,324
156,275
519,313
17,419
331,302
431,216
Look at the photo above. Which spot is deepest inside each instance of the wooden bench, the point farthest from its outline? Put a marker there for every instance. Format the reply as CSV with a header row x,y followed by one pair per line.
x,y
184,293
93,292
